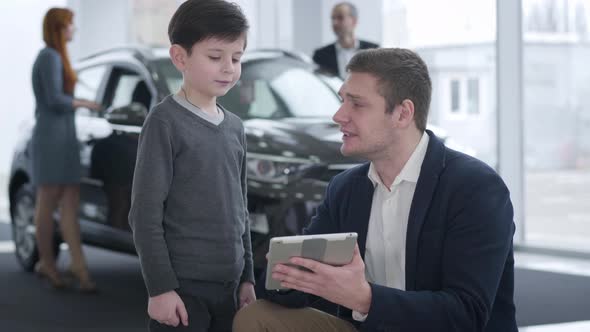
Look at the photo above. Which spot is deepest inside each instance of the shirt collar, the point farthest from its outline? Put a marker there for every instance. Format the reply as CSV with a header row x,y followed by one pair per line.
x,y
411,170
357,45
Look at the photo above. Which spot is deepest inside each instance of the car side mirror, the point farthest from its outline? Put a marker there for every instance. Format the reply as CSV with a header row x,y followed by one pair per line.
x,y
131,115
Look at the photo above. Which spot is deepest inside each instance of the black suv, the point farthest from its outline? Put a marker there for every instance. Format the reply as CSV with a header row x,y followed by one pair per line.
x,y
293,145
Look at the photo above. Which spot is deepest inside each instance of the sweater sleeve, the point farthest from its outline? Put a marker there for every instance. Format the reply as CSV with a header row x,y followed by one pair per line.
x,y
248,273
151,183
52,80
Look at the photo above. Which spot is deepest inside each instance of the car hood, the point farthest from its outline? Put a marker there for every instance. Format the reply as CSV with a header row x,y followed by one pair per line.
x,y
318,139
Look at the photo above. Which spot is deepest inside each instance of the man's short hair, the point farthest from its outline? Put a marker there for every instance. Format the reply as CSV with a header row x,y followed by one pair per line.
x,y
197,20
401,74
351,8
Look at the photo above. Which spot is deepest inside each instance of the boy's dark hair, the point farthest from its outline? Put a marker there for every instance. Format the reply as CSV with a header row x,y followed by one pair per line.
x,y
401,74
196,20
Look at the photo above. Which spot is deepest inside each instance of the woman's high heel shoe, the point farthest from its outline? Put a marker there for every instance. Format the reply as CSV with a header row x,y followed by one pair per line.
x,y
51,275
83,280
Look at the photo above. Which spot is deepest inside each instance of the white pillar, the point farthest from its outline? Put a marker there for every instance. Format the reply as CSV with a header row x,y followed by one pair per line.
x,y
510,105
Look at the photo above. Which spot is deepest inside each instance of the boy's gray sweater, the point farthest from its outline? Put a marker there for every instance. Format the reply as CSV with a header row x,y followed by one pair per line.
x,y
188,205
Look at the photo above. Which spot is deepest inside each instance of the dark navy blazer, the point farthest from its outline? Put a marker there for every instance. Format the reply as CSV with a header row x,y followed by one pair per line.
x,y
326,58
459,258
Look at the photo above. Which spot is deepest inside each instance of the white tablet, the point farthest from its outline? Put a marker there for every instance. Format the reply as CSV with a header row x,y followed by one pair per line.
x,y
334,249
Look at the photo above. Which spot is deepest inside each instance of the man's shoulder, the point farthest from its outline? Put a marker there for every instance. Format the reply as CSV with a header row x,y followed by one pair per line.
x,y
467,171
364,44
349,177
325,49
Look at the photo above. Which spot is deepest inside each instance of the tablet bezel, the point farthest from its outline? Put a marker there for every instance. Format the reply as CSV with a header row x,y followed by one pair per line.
x,y
294,248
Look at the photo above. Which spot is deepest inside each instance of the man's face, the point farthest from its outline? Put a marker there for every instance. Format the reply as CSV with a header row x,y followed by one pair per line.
x,y
343,23
368,131
214,66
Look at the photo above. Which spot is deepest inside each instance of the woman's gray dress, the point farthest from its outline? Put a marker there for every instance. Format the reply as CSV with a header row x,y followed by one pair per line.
x,y
54,146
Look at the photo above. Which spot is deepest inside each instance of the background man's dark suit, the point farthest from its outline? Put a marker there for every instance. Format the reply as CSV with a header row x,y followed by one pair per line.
x,y
459,259
325,57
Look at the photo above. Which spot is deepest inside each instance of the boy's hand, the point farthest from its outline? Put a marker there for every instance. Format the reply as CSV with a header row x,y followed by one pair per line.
x,y
247,294
168,309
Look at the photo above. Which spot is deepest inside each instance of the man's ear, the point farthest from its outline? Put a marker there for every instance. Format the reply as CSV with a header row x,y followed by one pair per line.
x,y
405,113
178,55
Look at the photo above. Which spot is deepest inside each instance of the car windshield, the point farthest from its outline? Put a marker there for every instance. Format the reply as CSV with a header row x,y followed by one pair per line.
x,y
272,89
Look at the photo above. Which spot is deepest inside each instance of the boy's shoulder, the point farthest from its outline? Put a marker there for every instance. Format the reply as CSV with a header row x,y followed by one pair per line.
x,y
162,110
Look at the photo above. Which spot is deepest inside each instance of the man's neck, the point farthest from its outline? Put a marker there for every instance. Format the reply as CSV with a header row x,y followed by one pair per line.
x,y
347,41
390,165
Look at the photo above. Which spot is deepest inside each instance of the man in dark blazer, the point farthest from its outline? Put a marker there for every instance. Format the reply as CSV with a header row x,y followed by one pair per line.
x,y
435,226
333,58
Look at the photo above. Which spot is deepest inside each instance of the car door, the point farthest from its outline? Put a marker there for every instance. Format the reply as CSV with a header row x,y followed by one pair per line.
x,y
112,160
90,127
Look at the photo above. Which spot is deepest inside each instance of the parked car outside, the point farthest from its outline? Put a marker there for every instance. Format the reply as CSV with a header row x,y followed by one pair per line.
x,y
293,144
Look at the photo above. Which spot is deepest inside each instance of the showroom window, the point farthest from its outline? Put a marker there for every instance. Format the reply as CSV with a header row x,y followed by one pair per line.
x,y
473,96
464,96
461,56
455,96
556,48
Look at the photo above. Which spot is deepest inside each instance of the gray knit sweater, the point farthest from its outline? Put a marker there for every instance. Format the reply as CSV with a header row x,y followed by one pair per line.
x,y
188,205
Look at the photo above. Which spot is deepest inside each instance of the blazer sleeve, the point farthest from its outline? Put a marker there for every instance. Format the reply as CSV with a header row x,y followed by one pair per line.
x,y
478,240
51,80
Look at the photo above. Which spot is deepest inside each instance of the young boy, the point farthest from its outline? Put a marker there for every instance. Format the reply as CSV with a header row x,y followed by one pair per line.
x,y
188,212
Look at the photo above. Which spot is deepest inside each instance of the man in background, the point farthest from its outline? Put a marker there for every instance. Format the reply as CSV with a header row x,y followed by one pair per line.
x,y
333,58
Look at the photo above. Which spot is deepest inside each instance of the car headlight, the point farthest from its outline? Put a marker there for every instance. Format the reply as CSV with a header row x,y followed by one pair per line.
x,y
275,169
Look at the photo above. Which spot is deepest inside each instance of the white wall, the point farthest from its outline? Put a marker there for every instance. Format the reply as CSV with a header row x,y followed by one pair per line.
x,y
100,25
291,24
22,36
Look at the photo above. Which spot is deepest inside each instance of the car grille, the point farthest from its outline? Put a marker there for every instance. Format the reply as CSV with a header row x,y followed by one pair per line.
x,y
327,173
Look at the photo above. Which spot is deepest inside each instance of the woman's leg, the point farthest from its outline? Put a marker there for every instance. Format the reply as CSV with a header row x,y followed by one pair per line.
x,y
46,202
70,230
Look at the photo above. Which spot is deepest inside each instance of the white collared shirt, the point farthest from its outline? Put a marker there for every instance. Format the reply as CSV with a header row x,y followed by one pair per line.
x,y
343,56
385,253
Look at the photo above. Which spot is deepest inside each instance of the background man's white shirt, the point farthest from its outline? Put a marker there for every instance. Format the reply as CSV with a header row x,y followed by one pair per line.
x,y
343,56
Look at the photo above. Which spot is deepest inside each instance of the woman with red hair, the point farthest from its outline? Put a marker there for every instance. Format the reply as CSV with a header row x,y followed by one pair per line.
x,y
56,169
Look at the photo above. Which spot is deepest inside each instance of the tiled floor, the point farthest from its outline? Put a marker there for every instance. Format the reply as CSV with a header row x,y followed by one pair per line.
x,y
565,327
575,266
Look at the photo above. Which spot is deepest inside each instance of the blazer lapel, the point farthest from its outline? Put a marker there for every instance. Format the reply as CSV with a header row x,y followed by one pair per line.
x,y
333,59
361,199
428,180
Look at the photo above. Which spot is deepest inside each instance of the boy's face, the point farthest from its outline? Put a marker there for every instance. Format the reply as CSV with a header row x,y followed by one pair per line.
x,y
213,67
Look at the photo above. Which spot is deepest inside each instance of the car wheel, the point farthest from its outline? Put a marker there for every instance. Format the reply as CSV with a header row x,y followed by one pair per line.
x,y
23,229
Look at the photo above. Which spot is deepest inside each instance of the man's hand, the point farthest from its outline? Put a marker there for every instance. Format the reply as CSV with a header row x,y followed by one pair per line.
x,y
168,309
246,294
345,285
